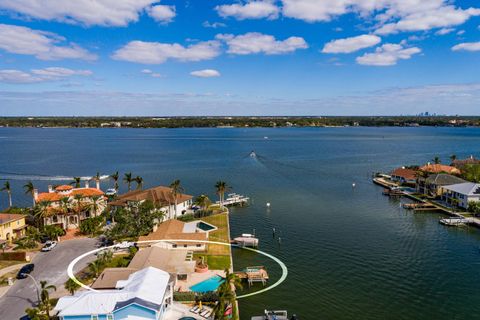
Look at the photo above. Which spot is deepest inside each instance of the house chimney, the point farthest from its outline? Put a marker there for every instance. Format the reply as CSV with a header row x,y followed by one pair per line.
x,y
97,182
50,188
87,184
155,227
35,194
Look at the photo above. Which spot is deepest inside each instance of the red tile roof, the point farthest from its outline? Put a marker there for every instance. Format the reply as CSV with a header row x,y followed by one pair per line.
x,y
438,168
159,195
407,174
9,217
64,187
54,196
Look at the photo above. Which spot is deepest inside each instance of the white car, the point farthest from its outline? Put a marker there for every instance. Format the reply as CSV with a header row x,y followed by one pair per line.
x,y
123,245
49,245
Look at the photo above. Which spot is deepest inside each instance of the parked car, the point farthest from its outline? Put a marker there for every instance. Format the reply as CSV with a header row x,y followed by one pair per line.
x,y
124,245
49,245
26,269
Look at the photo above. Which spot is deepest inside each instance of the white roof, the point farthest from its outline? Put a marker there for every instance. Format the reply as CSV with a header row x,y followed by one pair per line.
x,y
467,188
149,284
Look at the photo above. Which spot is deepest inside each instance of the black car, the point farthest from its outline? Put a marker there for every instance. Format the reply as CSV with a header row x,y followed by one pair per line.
x,y
26,269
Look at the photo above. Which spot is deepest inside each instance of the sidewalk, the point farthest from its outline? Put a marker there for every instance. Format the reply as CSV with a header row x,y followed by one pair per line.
x,y
4,290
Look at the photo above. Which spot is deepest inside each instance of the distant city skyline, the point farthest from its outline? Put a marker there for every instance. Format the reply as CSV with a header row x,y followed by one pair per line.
x,y
228,57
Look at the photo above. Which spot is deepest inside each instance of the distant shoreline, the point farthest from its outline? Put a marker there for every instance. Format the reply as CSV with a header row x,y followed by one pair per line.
x,y
240,122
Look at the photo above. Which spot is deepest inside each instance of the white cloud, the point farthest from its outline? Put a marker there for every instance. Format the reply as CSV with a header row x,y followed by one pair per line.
x,y
352,44
213,25
151,73
43,45
40,75
460,32
250,10
162,13
206,73
157,52
391,16
87,12
146,71
467,46
254,42
387,55
444,31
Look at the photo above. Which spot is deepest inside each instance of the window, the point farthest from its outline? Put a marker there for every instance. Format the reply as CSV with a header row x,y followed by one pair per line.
x,y
94,317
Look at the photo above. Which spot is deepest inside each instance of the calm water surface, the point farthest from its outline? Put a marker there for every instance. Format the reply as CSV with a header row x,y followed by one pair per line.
x,y
351,253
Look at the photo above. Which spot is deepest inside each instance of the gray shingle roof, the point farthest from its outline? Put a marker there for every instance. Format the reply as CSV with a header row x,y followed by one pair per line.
x,y
467,188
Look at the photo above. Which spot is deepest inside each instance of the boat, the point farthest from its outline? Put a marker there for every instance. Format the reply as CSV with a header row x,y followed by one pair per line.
x,y
274,315
454,221
246,240
234,199
253,154
111,192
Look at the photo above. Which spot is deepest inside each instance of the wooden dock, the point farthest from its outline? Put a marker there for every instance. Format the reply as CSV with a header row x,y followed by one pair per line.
x,y
254,274
234,199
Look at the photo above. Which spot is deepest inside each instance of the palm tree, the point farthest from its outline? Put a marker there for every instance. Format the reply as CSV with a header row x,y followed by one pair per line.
x,y
76,182
436,160
203,202
95,267
78,206
71,286
453,157
45,296
40,211
222,187
114,176
6,187
95,204
96,177
226,293
177,189
139,181
128,179
30,189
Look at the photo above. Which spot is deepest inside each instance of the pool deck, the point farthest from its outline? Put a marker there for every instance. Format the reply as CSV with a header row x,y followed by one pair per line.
x,y
195,278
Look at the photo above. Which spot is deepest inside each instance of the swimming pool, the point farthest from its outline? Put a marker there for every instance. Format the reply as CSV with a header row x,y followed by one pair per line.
x,y
205,226
210,284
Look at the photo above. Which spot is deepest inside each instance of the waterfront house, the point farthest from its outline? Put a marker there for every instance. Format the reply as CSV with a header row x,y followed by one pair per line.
x,y
460,163
404,176
178,230
432,185
12,226
146,295
462,193
161,196
439,168
67,206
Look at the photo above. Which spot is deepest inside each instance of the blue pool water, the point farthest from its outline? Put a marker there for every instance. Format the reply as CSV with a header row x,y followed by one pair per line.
x,y
210,284
205,226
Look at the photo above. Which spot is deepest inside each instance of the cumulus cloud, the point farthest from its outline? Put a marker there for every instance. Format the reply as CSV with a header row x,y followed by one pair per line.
x,y
87,12
467,46
213,25
352,44
391,16
151,73
43,45
387,55
254,42
157,52
206,73
444,31
40,75
250,10
162,13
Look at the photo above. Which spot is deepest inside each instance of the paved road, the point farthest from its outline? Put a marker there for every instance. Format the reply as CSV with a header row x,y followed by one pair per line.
x,y
49,266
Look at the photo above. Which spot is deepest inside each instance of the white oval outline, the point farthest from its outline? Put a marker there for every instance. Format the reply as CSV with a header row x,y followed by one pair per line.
x,y
279,281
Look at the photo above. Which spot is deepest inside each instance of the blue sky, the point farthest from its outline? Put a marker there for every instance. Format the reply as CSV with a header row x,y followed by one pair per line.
x,y
265,57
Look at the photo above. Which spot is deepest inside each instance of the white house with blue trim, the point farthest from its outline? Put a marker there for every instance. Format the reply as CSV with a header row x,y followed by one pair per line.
x,y
146,295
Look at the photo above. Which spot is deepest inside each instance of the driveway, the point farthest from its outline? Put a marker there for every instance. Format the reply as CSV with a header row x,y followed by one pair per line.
x,y
50,266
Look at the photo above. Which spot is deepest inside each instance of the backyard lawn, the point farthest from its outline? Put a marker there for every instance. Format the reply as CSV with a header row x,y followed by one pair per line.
x,y
217,256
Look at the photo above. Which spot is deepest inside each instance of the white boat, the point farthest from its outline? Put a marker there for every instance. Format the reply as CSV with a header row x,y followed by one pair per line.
x,y
454,221
274,315
246,240
111,192
234,199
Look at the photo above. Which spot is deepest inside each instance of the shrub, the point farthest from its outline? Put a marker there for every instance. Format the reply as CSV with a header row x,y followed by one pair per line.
x,y
184,296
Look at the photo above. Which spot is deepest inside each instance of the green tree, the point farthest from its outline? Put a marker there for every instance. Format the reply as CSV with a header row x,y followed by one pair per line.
x,y
453,157
71,286
114,176
36,314
76,182
128,179
221,187
30,189
45,289
95,267
139,181
226,294
203,202
95,204
40,212
53,231
91,226
436,160
7,188
176,190
471,172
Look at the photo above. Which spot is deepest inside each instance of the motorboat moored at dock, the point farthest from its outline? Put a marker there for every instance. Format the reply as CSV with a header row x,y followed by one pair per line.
x,y
274,315
246,240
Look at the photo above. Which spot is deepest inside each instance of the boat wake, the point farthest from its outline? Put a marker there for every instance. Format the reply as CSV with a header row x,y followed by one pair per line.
x,y
40,177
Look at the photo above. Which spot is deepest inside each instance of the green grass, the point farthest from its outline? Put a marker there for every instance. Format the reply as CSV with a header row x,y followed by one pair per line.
x,y
8,263
215,262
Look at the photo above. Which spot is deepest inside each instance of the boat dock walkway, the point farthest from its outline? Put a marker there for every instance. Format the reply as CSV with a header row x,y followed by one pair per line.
x,y
234,199
422,205
254,274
